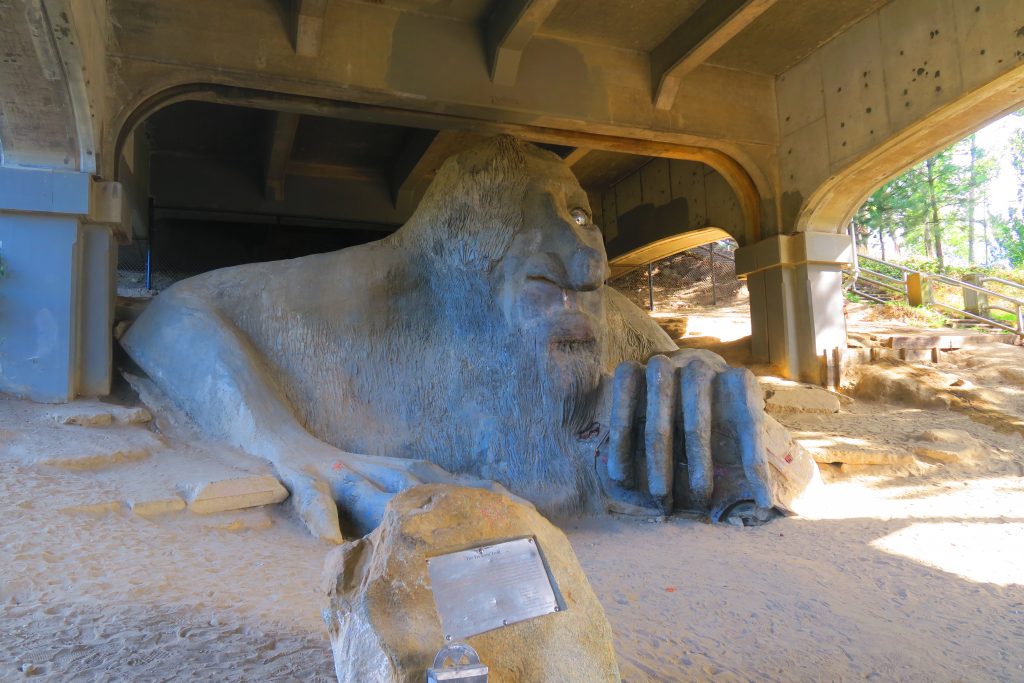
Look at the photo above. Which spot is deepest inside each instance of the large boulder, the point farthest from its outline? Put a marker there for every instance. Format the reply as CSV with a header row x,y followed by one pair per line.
x,y
381,613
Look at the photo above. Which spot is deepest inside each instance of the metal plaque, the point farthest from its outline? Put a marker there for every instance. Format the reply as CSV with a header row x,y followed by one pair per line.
x,y
485,588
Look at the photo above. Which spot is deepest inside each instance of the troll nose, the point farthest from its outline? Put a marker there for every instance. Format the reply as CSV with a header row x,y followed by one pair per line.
x,y
586,268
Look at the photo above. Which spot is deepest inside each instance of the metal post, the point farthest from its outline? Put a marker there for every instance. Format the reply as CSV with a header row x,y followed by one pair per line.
x,y
149,247
650,285
918,289
714,292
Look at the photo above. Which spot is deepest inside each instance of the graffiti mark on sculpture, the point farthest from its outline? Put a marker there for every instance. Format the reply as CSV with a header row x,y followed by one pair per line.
x,y
477,344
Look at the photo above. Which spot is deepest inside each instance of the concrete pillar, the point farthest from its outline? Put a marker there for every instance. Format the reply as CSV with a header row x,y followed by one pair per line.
x,y
58,288
975,302
796,300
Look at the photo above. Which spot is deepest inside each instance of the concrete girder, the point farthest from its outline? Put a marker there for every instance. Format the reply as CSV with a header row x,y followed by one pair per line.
x,y
383,57
280,138
733,173
509,26
308,26
575,156
710,27
50,114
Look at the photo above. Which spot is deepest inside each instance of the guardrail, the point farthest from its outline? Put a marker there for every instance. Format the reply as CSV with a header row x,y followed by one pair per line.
x,y
916,288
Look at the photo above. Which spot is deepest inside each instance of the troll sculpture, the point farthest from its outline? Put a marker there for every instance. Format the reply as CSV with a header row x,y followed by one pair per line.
x,y
478,344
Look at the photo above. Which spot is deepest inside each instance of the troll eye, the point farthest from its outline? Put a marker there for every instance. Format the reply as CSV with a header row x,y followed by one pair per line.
x,y
580,216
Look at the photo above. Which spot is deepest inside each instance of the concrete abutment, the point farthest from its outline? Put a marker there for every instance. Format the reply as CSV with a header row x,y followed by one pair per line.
x,y
796,300
57,294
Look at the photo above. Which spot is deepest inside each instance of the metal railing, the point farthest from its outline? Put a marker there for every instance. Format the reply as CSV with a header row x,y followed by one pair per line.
x,y
916,288
876,278
979,302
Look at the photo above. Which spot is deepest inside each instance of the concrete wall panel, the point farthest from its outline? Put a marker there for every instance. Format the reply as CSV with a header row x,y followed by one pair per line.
x,y
900,84
800,94
688,183
654,178
919,50
990,38
723,207
609,216
854,90
803,162
665,198
629,194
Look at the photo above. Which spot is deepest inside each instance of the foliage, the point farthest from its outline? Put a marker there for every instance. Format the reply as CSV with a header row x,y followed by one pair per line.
x,y
917,316
935,209
1013,274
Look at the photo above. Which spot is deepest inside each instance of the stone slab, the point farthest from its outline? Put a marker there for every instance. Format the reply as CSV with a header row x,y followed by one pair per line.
x,y
97,414
237,494
950,446
157,506
944,341
94,508
790,397
88,460
852,454
928,355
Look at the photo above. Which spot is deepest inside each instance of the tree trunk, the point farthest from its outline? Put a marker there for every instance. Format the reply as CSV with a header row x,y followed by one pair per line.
x,y
984,231
936,227
971,199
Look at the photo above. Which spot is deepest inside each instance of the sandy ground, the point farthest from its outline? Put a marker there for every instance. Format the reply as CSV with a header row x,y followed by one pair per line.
x,y
887,578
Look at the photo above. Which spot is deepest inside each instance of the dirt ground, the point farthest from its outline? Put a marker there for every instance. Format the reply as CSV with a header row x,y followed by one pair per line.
x,y
894,574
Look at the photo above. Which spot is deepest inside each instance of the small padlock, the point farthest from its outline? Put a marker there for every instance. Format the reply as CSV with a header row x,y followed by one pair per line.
x,y
459,663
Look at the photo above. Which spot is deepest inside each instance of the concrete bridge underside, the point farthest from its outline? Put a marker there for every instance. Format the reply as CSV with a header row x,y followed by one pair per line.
x,y
767,120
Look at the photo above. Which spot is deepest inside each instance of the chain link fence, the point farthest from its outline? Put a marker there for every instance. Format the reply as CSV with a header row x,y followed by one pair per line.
x,y
141,275
131,269
696,278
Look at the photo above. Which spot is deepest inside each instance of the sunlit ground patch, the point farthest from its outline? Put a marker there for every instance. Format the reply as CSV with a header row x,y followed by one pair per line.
x,y
984,552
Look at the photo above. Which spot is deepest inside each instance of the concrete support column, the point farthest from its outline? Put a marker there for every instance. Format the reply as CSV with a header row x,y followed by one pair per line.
x,y
58,288
796,300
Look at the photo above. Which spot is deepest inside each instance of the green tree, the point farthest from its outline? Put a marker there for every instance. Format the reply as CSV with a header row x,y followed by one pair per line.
x,y
931,209
1008,232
